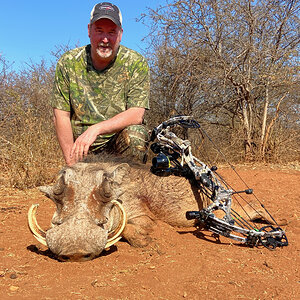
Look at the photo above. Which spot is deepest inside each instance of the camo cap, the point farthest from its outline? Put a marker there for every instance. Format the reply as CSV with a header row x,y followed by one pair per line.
x,y
106,10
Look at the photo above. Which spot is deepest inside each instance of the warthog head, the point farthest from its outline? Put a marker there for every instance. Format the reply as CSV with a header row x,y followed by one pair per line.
x,y
87,211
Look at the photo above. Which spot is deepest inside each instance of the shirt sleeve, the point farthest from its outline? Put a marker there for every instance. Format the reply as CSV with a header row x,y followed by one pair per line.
x,y
139,85
61,88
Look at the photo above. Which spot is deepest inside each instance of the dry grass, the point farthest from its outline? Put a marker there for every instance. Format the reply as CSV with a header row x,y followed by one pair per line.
x,y
29,151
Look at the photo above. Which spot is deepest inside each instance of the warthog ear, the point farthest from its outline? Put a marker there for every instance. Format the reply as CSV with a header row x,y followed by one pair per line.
x,y
47,190
120,173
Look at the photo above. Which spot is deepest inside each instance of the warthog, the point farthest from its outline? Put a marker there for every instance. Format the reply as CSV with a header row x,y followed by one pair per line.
x,y
86,214
85,193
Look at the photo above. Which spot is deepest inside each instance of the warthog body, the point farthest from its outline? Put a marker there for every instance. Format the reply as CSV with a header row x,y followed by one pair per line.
x,y
85,214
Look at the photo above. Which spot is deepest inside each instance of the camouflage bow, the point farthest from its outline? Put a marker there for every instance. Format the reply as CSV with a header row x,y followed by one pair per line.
x,y
174,156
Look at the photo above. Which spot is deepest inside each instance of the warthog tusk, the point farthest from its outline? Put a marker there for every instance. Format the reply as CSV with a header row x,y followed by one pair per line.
x,y
118,231
34,227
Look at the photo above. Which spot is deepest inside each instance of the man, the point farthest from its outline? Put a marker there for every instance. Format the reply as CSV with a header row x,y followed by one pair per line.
x,y
101,92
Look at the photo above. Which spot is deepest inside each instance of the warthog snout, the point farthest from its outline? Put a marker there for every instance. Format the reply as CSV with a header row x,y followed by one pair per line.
x,y
77,239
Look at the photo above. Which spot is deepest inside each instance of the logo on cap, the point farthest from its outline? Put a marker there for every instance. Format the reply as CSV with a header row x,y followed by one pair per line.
x,y
107,7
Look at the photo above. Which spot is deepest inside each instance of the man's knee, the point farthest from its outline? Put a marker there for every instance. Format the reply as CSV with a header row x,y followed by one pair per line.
x,y
133,141
138,135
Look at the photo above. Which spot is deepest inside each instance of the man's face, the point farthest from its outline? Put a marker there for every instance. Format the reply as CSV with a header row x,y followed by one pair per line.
x,y
105,37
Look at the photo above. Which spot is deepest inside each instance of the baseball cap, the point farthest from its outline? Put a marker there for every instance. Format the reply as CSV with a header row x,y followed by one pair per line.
x,y
106,10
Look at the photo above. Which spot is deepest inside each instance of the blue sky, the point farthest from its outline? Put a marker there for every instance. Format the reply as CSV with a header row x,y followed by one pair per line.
x,y
30,30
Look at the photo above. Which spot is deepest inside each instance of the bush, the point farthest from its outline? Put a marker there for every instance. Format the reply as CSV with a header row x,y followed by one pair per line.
x,y
29,152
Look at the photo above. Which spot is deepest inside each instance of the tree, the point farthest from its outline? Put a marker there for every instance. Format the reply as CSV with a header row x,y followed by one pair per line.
x,y
233,59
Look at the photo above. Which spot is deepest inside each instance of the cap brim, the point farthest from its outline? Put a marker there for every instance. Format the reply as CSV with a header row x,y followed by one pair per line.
x,y
106,17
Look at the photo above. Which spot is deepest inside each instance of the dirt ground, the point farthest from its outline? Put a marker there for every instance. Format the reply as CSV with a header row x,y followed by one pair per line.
x,y
181,264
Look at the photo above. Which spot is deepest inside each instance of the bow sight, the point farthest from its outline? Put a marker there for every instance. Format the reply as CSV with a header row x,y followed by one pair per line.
x,y
174,157
165,162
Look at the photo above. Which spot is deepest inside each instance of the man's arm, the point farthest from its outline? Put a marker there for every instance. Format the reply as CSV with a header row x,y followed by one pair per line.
x,y
64,133
131,116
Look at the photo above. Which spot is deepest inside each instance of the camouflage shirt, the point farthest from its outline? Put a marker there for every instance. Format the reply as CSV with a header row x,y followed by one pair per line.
x,y
93,96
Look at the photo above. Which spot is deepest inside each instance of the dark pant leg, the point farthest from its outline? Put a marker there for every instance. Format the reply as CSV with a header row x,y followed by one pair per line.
x,y
131,142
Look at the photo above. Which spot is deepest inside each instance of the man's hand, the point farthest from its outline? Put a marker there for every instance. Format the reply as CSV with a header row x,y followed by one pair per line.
x,y
132,116
83,142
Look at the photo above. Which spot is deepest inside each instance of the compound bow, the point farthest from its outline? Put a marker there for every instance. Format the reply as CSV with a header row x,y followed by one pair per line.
x,y
174,156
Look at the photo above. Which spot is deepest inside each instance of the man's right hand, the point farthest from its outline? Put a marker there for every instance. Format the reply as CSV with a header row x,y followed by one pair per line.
x,y
83,142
